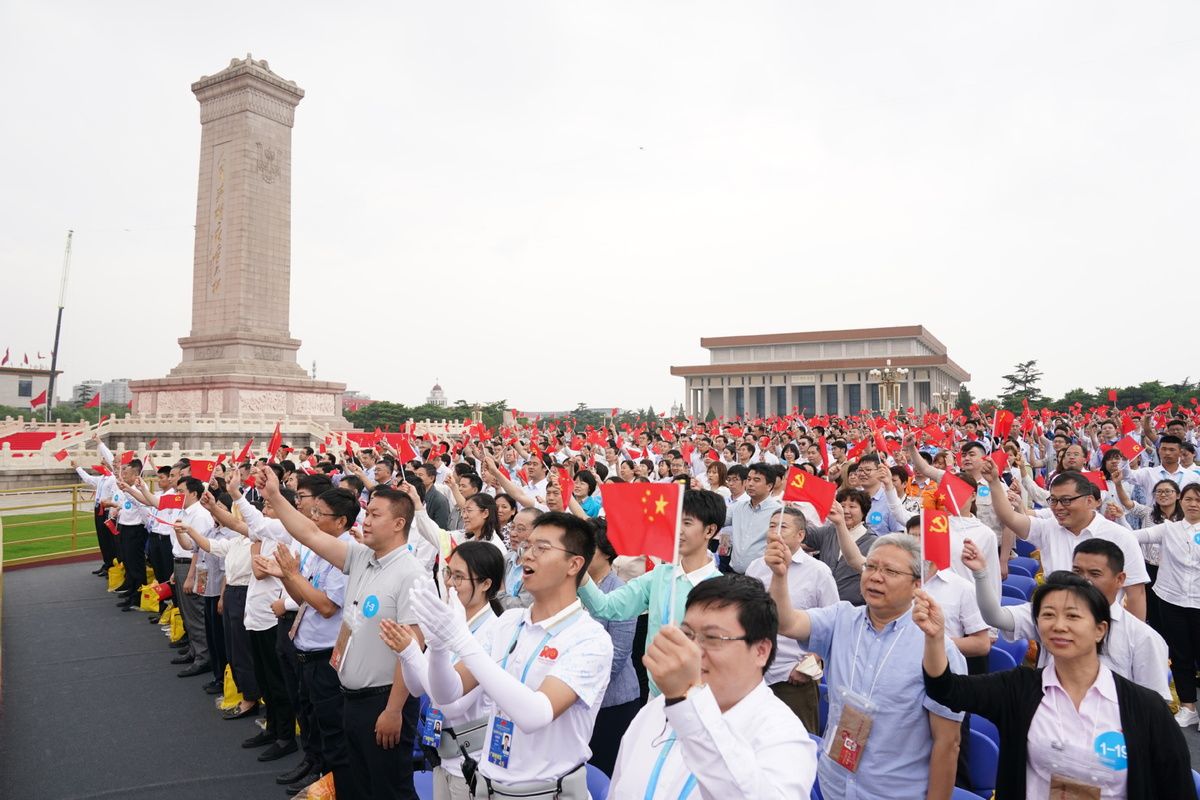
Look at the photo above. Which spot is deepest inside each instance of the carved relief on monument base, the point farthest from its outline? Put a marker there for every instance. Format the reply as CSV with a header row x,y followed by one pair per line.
x,y
216,401
187,401
310,404
261,401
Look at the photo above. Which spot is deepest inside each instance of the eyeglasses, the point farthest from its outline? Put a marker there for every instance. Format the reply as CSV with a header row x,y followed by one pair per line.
x,y
318,513
1164,491
870,568
1065,501
455,578
709,641
305,496
540,548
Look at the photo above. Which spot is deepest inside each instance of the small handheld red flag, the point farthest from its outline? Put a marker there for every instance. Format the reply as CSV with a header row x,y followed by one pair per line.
x,y
1000,458
1112,395
202,470
1097,478
802,485
168,501
274,444
1002,423
153,442
1130,447
61,455
643,519
935,537
127,457
245,454
954,492
566,485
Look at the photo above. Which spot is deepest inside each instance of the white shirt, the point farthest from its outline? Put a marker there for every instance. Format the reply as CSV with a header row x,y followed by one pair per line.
x,y
810,585
198,519
1178,579
1058,545
580,655
1146,477
1132,648
236,552
956,595
984,538
757,749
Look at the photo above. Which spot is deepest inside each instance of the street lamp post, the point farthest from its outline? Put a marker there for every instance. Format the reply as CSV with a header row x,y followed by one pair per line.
x,y
889,379
945,399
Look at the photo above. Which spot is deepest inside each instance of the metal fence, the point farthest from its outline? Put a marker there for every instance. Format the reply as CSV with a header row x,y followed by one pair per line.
x,y
64,504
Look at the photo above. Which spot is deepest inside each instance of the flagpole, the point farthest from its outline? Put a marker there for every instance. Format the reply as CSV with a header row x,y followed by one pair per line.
x,y
675,557
62,297
922,547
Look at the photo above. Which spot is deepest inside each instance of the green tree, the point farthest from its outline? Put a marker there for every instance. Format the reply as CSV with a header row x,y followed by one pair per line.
x,y
964,400
1022,384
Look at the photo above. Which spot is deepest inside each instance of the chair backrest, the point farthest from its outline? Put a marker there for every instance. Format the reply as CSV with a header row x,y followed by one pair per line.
x,y
1012,601
986,727
1028,563
1011,590
1019,569
597,783
983,759
1018,649
999,660
1028,584
962,794
1024,548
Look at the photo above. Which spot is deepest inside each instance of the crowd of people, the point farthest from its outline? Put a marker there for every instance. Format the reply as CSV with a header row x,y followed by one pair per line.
x,y
458,604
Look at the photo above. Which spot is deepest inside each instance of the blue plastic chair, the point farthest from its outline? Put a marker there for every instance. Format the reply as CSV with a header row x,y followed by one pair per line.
x,y
1022,584
423,783
1012,601
1030,564
999,660
822,708
983,759
815,794
963,794
1018,649
1017,569
1196,781
597,783
986,727
1024,548
1008,590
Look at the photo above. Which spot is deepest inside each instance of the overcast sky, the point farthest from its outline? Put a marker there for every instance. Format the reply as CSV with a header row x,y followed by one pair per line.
x,y
552,202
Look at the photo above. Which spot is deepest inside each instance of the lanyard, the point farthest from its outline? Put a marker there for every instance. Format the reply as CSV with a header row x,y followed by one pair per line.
x,y
676,574
656,773
550,634
879,668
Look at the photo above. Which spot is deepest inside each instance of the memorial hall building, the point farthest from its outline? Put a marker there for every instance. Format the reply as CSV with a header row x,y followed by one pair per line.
x,y
821,372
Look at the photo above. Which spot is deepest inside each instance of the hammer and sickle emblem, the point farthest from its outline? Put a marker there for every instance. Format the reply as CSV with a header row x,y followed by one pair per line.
x,y
938,524
798,480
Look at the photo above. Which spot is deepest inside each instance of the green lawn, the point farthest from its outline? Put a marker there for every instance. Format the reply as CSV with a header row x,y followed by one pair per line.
x,y
20,527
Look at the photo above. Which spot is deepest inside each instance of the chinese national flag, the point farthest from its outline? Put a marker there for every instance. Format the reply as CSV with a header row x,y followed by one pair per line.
x,y
1002,424
40,400
954,492
566,485
273,446
713,455
643,519
1097,477
804,486
245,454
1112,395
935,537
94,402
203,470
824,448
169,501
1130,447
405,451
1127,424
61,455
1000,458
858,449
127,457
152,443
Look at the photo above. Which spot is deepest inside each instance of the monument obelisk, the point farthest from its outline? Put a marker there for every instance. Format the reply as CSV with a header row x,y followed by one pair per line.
x,y
240,357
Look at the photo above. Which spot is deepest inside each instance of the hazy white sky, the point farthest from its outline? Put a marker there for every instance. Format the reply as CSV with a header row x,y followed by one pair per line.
x,y
552,202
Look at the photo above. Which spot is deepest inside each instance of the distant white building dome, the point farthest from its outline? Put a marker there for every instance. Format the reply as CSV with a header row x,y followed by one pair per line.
x,y
437,397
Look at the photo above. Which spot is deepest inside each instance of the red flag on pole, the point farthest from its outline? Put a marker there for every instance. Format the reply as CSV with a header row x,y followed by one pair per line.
x,y
245,454
643,519
202,470
94,402
61,455
935,537
1002,423
804,486
273,445
1097,478
38,401
954,492
168,501
1130,447
1112,395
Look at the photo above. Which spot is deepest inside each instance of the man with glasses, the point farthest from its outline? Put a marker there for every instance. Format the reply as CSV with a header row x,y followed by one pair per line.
x,y
717,730
544,668
515,594
1073,503
885,737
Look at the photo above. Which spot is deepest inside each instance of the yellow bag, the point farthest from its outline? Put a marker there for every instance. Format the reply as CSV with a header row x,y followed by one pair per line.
x,y
168,616
116,576
231,698
149,600
177,628
321,790
150,575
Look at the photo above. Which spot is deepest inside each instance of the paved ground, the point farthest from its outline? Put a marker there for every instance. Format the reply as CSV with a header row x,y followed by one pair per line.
x,y
92,708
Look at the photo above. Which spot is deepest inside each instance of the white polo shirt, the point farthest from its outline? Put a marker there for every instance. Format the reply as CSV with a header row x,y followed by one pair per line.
x,y
1132,648
757,749
198,519
984,538
810,585
580,655
1178,581
1058,545
956,595
1146,477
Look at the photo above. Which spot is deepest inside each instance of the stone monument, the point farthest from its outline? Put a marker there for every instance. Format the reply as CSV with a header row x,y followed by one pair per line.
x,y
240,357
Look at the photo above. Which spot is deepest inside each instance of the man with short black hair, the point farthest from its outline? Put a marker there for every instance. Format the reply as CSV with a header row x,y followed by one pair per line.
x,y
724,733
751,520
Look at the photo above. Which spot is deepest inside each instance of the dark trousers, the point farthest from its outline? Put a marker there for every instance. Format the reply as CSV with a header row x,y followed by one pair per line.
x,y
106,541
640,630
281,717
379,774
214,632
237,642
804,699
133,554
1153,604
1181,629
611,724
289,664
162,560
323,695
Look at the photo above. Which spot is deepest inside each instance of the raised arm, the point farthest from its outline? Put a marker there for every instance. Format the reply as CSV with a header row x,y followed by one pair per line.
x,y
919,464
223,516
1008,516
516,492
990,609
850,552
302,528
793,622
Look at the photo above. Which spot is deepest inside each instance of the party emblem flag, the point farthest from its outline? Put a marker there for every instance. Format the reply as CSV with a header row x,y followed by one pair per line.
x,y
643,519
1130,447
169,501
203,470
935,537
802,485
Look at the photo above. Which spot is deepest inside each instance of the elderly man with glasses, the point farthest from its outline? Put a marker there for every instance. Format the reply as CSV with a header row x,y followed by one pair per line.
x,y
884,737
1072,518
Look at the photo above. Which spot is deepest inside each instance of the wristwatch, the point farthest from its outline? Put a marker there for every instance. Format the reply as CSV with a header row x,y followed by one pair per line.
x,y
670,701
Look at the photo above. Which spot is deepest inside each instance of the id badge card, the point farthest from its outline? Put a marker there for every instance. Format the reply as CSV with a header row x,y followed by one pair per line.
x,y
431,733
340,648
501,741
848,742
201,580
1064,788
1077,773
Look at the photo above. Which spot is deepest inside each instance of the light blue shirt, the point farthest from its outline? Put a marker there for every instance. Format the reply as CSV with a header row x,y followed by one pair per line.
x,y
749,535
879,519
317,632
885,667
